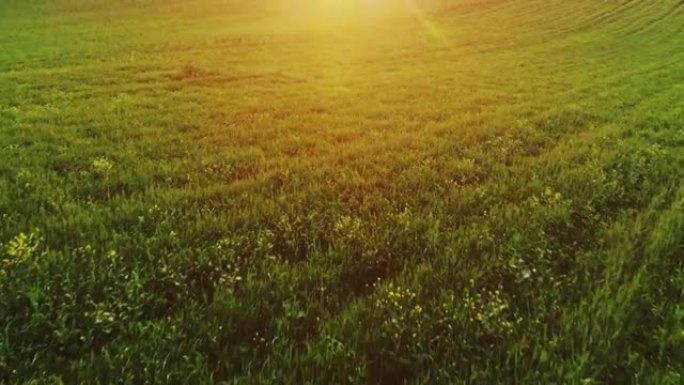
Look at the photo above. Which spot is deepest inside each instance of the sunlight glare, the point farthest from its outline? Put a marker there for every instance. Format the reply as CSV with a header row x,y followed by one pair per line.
x,y
341,13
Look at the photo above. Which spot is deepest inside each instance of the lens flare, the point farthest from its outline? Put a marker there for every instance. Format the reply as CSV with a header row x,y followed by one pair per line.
x,y
421,16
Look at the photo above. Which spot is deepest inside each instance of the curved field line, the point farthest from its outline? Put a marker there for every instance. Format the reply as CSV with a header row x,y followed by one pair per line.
x,y
639,18
658,21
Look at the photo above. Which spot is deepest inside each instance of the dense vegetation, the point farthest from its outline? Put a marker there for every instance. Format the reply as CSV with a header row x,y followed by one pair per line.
x,y
441,192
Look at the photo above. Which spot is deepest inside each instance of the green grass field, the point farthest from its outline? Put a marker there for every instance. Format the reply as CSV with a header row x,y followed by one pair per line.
x,y
333,192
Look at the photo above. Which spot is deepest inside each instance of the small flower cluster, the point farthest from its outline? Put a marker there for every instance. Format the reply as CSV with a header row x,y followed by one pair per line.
x,y
549,197
347,228
232,267
522,270
101,165
20,248
490,309
402,315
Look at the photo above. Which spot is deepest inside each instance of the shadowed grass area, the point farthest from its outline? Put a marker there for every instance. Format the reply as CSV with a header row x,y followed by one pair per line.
x,y
443,192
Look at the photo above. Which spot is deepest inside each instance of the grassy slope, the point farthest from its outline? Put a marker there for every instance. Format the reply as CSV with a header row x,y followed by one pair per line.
x,y
211,191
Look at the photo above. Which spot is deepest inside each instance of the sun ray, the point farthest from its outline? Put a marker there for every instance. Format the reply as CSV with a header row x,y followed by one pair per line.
x,y
421,16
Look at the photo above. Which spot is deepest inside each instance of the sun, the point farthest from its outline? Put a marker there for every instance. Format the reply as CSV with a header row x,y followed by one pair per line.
x,y
346,15
345,8
351,7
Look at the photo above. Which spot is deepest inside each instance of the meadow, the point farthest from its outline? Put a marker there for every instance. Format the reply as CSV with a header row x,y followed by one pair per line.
x,y
341,192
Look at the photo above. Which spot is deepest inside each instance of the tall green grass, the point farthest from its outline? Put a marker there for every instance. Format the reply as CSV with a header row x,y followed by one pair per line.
x,y
231,192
